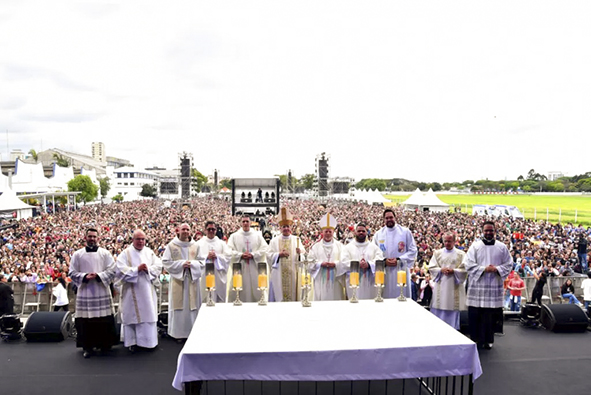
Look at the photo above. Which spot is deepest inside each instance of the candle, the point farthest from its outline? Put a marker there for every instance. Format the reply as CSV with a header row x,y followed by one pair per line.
x,y
354,279
210,281
262,281
402,277
237,281
380,278
306,279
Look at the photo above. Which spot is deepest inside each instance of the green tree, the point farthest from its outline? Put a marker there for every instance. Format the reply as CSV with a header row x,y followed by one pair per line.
x,y
307,181
60,160
83,184
105,186
148,190
198,180
226,183
117,198
282,181
33,153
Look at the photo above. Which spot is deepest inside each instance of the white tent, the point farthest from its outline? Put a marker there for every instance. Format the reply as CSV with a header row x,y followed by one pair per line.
x,y
415,199
9,202
425,202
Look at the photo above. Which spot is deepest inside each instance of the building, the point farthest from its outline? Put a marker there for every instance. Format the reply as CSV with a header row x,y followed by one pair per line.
x,y
117,162
554,175
98,152
17,154
48,158
128,182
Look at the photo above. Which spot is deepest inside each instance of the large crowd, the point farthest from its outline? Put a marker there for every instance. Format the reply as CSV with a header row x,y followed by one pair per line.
x,y
38,249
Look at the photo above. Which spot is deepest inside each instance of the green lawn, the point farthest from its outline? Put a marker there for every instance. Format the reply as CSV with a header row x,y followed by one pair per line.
x,y
564,207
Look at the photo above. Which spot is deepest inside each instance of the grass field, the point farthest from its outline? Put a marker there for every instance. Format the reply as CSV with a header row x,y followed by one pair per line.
x,y
560,208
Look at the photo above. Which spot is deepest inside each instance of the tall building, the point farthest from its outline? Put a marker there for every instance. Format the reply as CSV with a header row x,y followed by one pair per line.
x,y
98,152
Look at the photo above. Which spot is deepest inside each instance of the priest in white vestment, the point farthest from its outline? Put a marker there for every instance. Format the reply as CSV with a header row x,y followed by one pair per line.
x,y
326,265
138,269
184,292
212,249
448,275
92,270
488,263
400,252
366,253
249,248
284,257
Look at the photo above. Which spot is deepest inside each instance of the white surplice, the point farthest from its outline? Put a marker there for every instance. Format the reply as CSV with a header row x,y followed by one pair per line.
x,y
220,264
355,251
329,283
396,242
184,283
138,296
239,243
449,292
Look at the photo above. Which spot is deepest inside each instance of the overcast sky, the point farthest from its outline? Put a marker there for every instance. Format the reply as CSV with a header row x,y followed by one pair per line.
x,y
423,90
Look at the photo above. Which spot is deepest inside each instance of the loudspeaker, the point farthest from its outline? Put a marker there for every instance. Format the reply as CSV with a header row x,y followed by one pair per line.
x,y
48,326
563,318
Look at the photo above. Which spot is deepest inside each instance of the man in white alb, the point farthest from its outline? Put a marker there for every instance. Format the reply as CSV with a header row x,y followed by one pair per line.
x,y
449,274
138,269
400,252
366,253
283,257
92,270
249,248
326,265
184,296
212,249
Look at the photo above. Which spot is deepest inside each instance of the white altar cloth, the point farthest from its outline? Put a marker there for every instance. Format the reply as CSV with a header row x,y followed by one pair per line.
x,y
330,341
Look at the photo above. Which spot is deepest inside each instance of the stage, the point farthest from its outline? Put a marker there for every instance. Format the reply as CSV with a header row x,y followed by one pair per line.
x,y
523,361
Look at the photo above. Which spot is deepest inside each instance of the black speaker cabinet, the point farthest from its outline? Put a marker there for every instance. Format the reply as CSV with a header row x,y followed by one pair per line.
x,y
563,318
48,326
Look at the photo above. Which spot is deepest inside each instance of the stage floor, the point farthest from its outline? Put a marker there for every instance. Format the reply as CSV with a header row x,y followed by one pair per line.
x,y
523,361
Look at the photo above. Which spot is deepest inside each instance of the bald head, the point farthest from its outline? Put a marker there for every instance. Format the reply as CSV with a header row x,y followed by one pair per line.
x,y
184,232
139,239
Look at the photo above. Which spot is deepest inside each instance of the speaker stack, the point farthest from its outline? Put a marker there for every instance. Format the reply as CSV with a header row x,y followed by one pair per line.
x,y
48,326
563,318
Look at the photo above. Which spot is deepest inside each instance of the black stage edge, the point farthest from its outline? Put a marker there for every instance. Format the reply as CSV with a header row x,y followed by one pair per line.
x,y
523,361
431,385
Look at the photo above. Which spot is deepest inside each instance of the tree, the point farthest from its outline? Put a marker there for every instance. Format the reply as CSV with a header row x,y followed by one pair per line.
x,y
33,153
60,160
226,183
83,184
198,180
307,181
148,190
371,183
105,186
117,198
282,181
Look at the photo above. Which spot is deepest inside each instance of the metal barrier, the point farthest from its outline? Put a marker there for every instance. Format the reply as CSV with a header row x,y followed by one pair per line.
x,y
28,299
552,289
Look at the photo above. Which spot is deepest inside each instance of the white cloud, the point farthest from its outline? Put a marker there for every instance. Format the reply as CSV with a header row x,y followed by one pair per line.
x,y
427,91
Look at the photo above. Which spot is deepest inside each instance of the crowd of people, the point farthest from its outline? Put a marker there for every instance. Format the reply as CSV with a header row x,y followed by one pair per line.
x,y
38,249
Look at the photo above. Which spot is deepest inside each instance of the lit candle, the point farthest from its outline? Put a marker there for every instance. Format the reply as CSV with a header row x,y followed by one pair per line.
x,y
380,278
308,279
262,281
237,281
402,277
354,279
210,281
